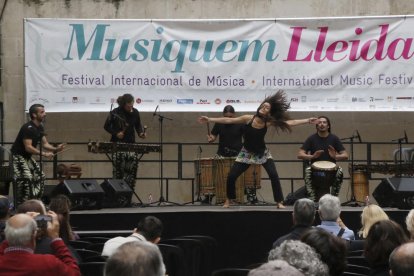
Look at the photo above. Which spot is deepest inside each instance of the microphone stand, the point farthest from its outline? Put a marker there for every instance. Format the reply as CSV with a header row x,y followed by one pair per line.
x,y
162,200
353,202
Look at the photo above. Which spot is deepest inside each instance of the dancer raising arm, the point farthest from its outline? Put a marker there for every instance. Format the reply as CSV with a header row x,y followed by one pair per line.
x,y
272,112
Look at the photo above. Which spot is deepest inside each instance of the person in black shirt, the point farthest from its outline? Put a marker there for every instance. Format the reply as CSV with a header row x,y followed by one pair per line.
x,y
322,146
29,177
230,135
122,123
272,112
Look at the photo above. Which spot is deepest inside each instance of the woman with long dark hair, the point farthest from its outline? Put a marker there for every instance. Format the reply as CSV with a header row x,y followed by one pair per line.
x,y
272,112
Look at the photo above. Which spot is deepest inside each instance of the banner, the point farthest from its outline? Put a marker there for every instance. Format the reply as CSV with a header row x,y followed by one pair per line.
x,y
329,64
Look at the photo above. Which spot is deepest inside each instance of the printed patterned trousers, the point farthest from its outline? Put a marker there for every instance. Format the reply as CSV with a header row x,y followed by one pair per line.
x,y
125,166
29,179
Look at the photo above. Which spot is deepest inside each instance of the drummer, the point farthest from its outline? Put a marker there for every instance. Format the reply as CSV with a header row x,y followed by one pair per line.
x,y
322,146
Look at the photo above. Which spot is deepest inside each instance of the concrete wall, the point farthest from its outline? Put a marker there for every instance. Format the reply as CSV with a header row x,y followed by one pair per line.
x,y
81,127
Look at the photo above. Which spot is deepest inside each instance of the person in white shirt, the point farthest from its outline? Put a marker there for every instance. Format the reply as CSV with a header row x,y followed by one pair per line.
x,y
149,230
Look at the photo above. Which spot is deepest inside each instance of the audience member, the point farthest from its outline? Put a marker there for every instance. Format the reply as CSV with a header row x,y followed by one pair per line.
x,y
149,229
332,250
31,205
135,259
409,221
4,214
60,204
303,216
275,268
402,260
17,251
370,215
383,237
301,256
329,211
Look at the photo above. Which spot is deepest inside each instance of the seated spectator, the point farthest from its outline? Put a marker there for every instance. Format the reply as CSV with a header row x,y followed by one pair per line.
x,y
303,216
383,237
402,260
275,268
135,259
409,221
370,215
329,211
301,256
17,250
61,205
4,214
31,205
149,229
332,250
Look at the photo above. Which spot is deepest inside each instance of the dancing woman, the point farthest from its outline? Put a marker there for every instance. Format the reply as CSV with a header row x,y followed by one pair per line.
x,y
272,112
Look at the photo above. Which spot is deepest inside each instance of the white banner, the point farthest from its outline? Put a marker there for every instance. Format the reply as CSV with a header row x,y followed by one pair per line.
x,y
331,64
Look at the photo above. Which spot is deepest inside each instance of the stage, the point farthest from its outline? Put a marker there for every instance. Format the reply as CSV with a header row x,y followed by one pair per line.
x,y
245,233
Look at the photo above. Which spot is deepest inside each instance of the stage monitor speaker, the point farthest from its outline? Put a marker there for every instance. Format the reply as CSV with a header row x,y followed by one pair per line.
x,y
117,193
84,194
395,192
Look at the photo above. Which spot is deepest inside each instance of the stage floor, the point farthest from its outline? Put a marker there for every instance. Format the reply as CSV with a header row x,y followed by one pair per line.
x,y
245,233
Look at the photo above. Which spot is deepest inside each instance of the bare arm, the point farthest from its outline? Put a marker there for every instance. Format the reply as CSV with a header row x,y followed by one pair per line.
x,y
304,156
49,147
338,156
226,120
299,122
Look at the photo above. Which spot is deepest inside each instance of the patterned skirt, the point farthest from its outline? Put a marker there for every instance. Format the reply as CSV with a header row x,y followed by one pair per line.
x,y
248,157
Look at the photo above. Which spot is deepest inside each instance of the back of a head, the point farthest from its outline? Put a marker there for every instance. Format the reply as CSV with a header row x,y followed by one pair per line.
x,y
308,263
409,221
60,204
383,237
332,249
135,259
304,212
20,230
4,207
329,207
31,205
370,215
275,268
402,260
150,227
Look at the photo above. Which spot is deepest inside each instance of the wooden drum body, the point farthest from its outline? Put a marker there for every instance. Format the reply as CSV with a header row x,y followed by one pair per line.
x,y
252,176
323,176
360,185
223,166
204,172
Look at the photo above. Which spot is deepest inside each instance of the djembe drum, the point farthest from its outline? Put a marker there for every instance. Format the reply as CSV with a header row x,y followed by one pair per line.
x,y
323,176
222,169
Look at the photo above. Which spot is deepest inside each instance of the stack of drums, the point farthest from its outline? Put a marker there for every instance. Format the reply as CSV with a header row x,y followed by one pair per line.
x,y
211,178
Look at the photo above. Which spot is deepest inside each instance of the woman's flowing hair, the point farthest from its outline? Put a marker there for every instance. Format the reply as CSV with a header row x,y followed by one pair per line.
x,y
278,111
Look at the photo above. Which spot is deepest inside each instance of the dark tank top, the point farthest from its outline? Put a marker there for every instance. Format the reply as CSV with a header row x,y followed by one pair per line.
x,y
254,138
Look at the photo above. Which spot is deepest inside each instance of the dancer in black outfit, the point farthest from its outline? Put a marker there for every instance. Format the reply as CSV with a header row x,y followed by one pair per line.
x,y
272,112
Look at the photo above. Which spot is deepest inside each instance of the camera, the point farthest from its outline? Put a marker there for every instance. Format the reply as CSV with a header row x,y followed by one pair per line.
x,y
41,221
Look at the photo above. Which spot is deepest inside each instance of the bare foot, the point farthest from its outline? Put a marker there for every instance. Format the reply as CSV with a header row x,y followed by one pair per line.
x,y
226,203
280,205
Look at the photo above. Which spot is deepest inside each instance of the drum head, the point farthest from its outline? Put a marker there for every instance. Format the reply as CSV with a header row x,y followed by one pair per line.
x,y
324,165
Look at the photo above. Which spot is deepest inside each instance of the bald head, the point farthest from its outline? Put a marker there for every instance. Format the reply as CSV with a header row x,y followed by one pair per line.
x,y
402,260
21,231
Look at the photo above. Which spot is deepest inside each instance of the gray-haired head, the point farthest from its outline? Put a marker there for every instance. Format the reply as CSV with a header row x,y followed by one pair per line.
x,y
304,212
275,268
21,231
329,207
135,259
308,263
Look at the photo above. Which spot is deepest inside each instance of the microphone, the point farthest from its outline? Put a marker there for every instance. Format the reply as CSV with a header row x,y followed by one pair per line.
x,y
200,149
358,136
145,129
155,112
405,137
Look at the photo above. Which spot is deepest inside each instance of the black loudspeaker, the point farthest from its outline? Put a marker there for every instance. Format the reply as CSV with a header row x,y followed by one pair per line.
x,y
84,194
117,193
395,192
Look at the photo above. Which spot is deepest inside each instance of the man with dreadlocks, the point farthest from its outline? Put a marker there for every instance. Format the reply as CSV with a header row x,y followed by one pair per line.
x,y
271,113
